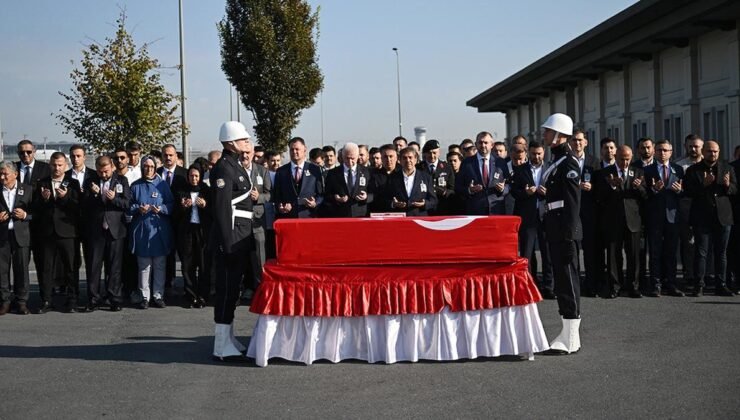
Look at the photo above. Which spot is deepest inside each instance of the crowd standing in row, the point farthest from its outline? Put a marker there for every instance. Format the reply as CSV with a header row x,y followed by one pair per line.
x,y
131,216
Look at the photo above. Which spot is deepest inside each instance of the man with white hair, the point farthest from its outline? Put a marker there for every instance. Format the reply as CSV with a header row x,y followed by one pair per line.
x,y
346,190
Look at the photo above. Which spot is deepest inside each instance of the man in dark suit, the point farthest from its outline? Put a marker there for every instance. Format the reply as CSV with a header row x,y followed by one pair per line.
x,y
646,152
260,196
176,178
15,238
299,187
411,190
346,193
30,171
593,273
710,184
56,210
80,173
379,179
529,196
620,191
733,247
664,179
107,199
443,177
482,179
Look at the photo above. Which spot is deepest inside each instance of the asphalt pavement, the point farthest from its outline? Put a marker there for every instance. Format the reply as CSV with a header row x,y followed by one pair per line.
x,y
641,358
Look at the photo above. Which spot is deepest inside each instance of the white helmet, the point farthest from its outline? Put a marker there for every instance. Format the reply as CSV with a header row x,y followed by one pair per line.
x,y
233,131
561,123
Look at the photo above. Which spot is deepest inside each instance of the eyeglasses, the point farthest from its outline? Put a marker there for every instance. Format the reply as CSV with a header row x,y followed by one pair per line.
x,y
25,152
663,150
120,157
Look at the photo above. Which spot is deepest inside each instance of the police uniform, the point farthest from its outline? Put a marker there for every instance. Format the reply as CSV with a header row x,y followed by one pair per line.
x,y
231,236
563,227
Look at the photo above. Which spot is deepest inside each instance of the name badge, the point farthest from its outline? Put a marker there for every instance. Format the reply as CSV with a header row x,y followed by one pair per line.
x,y
259,180
423,187
119,188
442,182
630,173
363,182
673,170
155,194
496,176
21,192
306,173
65,183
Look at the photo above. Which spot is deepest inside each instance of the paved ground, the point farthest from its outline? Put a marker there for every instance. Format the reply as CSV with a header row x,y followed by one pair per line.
x,y
642,358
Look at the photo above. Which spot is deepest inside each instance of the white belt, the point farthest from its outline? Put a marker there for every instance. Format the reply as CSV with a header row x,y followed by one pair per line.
x,y
555,205
244,214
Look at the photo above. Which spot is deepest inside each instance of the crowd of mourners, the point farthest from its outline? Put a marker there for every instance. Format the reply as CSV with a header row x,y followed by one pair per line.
x,y
134,215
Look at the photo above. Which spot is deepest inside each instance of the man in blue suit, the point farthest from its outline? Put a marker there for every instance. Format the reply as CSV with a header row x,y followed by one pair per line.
x,y
482,179
664,179
299,186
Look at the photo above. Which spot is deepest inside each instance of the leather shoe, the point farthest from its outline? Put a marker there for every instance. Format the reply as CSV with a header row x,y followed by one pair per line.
x,y
723,291
70,307
22,309
698,292
653,293
91,307
159,303
114,307
611,295
635,294
144,304
675,292
4,309
45,307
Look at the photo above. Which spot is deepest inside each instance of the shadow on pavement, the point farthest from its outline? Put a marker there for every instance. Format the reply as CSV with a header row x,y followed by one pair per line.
x,y
161,350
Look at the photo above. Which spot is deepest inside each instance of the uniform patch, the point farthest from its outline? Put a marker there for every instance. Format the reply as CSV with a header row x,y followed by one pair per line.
x,y
21,192
220,183
572,175
441,181
241,178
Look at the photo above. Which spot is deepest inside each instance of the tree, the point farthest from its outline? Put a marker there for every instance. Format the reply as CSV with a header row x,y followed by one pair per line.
x,y
117,97
268,52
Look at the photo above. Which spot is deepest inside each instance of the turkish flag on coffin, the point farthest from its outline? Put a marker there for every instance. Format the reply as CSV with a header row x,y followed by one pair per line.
x,y
413,240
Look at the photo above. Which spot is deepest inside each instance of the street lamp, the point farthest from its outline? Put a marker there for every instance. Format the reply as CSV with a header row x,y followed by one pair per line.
x,y
398,79
185,154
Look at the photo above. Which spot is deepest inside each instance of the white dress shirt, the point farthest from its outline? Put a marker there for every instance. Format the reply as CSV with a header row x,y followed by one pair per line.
x,y
408,182
9,195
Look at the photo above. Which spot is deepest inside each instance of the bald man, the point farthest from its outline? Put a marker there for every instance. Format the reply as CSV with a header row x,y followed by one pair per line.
x,y
346,191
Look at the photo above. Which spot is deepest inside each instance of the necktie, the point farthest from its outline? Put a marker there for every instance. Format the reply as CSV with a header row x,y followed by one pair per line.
x,y
665,174
27,176
350,181
485,172
169,178
297,176
431,169
104,190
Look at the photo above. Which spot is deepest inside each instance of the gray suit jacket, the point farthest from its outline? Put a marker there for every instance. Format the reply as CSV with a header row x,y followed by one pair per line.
x,y
261,181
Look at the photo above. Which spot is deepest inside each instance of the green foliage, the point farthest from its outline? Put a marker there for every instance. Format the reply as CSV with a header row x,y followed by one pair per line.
x,y
268,52
117,97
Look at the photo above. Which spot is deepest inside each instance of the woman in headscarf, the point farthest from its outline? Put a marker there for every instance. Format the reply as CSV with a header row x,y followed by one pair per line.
x,y
192,223
151,231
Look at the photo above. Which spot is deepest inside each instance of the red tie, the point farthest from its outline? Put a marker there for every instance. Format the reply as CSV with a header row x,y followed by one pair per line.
x,y
485,172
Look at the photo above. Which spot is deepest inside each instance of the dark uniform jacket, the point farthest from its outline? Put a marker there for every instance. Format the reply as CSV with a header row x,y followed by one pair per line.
x,y
113,211
285,190
563,187
379,189
336,184
443,179
620,206
710,205
589,174
24,201
662,206
260,179
421,190
229,181
470,172
58,216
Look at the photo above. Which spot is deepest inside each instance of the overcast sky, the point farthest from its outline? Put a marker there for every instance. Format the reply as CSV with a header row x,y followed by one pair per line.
x,y
449,52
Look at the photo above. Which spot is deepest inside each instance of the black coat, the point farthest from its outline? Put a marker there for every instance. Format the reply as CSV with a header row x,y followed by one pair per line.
x,y
21,228
662,206
336,185
620,206
179,179
710,205
470,171
525,205
421,190
112,211
443,179
285,190
57,215
379,189
40,171
563,184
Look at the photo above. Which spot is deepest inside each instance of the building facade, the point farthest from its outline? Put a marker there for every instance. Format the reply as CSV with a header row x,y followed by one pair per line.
x,y
659,69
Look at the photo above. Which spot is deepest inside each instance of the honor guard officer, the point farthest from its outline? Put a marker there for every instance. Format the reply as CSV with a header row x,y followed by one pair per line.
x,y
563,228
231,236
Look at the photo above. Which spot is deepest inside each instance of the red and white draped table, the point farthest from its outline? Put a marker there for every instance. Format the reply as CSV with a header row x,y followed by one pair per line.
x,y
400,289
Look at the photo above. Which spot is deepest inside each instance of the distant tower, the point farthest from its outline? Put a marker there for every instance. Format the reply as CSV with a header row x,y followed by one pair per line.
x,y
421,135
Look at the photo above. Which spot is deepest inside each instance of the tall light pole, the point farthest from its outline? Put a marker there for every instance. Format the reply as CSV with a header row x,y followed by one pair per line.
x,y
185,152
398,80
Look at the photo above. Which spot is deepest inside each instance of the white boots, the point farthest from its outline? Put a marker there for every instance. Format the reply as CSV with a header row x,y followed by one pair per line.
x,y
225,347
569,339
